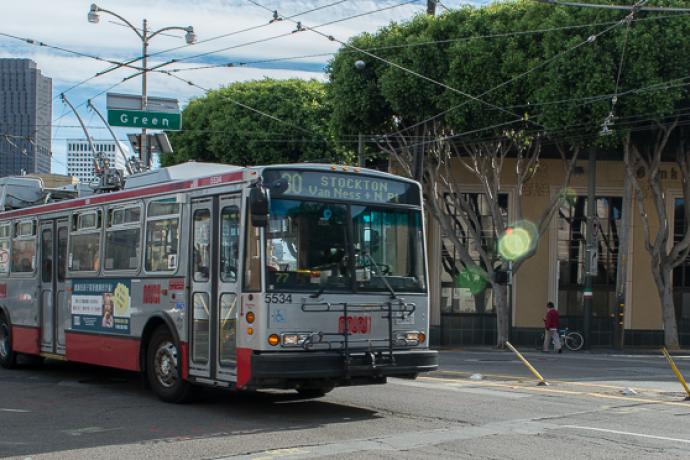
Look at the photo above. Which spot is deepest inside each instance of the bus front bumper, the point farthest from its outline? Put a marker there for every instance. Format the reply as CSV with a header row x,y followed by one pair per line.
x,y
287,369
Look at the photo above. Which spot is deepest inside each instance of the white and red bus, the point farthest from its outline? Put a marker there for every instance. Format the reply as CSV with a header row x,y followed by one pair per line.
x,y
297,276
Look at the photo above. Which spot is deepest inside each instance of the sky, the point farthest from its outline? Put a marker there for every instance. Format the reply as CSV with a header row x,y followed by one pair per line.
x,y
220,27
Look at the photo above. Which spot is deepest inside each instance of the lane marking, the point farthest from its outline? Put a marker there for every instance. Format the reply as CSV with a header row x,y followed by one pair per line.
x,y
281,453
567,382
89,430
566,392
627,433
396,442
19,411
462,388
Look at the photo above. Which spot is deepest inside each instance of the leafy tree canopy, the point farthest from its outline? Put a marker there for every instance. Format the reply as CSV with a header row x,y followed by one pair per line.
x,y
557,67
220,128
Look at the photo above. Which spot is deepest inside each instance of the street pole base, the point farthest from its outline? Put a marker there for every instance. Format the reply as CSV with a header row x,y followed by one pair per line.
x,y
544,383
687,398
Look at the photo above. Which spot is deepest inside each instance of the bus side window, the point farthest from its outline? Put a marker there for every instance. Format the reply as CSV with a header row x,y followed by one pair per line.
x,y
202,245
85,242
252,259
62,254
5,249
122,238
24,247
162,235
47,255
230,243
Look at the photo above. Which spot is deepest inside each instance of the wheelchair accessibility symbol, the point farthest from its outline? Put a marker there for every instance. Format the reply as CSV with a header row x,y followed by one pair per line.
x,y
278,316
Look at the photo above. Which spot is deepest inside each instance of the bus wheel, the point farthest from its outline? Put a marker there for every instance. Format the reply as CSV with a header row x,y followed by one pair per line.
x,y
163,368
8,358
314,392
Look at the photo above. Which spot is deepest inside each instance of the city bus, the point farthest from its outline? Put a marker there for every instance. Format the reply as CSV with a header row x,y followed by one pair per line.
x,y
300,276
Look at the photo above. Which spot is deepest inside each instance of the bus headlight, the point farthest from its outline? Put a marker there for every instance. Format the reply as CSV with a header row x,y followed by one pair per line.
x,y
299,339
292,340
410,338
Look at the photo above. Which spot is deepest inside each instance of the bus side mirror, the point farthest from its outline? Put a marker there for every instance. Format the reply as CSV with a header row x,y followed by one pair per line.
x,y
258,206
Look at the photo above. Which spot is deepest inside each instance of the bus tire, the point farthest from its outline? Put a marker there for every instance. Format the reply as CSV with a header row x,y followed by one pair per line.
x,y
163,369
8,358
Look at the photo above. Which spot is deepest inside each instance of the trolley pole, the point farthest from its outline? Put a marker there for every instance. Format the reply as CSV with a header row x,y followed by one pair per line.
x,y
590,251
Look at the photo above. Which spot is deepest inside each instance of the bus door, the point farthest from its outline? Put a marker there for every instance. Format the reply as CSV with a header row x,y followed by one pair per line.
x,y
214,271
53,256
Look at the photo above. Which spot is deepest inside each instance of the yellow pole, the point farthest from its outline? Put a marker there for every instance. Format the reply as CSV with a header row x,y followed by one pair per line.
x,y
526,363
676,371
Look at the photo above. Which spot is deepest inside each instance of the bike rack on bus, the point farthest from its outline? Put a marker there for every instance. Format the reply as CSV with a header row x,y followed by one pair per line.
x,y
391,310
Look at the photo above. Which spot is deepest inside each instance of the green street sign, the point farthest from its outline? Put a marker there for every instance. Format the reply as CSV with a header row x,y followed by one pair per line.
x,y
141,119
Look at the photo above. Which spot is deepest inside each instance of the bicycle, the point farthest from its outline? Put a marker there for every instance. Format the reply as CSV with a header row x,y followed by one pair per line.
x,y
572,340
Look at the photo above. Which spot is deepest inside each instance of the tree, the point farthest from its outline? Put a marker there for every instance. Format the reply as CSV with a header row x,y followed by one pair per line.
x,y
485,248
643,161
256,122
566,70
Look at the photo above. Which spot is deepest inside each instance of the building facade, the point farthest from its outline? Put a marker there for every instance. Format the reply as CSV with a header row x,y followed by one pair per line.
x,y
556,272
25,118
80,157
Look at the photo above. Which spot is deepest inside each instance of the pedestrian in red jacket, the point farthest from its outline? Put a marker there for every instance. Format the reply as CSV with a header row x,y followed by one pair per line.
x,y
551,326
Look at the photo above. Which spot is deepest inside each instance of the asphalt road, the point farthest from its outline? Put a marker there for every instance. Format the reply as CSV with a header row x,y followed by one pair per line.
x,y
64,410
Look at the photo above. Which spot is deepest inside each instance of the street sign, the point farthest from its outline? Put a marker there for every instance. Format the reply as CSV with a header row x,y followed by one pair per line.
x,y
133,102
156,143
141,119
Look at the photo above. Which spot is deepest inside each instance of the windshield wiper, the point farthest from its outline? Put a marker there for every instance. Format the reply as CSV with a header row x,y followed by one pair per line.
x,y
323,287
381,275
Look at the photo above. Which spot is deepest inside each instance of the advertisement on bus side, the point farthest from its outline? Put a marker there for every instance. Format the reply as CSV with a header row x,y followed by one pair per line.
x,y
100,305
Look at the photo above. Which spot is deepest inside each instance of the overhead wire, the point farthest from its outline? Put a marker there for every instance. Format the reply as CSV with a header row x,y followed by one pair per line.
x,y
245,106
273,37
396,65
39,43
225,35
417,44
590,39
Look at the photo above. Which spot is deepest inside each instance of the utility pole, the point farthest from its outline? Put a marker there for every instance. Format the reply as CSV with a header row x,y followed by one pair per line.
x,y
590,248
360,150
622,265
145,36
431,7
419,154
143,145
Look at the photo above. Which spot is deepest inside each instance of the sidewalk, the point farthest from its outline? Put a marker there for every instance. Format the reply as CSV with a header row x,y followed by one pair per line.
x,y
630,351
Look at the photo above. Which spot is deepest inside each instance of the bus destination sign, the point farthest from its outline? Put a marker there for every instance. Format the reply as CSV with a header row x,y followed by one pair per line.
x,y
340,186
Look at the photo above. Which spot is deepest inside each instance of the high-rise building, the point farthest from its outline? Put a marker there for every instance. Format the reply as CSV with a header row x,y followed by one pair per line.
x,y
80,157
25,118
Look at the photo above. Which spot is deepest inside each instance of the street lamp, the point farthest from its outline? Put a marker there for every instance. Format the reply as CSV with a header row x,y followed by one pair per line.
x,y
145,36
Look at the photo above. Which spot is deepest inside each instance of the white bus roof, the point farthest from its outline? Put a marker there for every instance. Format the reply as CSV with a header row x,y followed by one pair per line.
x,y
182,171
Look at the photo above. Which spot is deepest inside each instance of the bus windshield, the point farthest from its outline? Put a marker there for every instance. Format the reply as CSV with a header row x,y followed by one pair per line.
x,y
330,247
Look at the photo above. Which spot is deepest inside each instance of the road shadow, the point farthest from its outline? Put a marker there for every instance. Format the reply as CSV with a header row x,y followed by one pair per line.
x,y
60,406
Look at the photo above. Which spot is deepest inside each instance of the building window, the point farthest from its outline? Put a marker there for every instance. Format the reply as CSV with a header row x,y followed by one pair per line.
x,y
461,291
681,274
571,245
